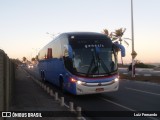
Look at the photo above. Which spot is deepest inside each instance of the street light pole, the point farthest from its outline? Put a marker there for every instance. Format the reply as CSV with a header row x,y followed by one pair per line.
x,y
133,54
132,25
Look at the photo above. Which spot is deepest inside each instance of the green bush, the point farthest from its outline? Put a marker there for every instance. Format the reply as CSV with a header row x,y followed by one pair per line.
x,y
142,65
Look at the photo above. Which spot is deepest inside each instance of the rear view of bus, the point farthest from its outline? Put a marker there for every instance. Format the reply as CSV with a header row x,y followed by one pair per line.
x,y
89,64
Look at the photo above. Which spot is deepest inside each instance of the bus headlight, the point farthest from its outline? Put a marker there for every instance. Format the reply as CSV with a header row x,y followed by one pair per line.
x,y
80,82
116,80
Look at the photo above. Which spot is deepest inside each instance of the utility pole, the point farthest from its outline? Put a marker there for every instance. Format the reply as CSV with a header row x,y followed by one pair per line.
x,y
133,54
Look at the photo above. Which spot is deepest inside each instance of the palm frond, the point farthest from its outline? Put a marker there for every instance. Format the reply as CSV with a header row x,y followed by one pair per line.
x,y
126,42
106,32
114,39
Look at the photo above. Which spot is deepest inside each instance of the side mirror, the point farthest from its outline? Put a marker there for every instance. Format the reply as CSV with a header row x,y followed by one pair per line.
x,y
121,47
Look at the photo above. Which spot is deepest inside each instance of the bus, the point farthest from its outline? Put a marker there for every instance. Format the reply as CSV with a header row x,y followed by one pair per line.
x,y
80,63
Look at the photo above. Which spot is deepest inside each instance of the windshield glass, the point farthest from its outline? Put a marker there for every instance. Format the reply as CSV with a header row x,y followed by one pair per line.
x,y
92,62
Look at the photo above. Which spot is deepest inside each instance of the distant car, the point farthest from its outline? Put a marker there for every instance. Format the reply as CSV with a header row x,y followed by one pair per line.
x,y
30,66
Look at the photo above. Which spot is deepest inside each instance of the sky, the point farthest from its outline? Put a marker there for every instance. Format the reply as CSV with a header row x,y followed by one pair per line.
x,y
24,24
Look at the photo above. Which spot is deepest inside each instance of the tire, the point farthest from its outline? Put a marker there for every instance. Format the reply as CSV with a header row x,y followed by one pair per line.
x,y
43,76
61,85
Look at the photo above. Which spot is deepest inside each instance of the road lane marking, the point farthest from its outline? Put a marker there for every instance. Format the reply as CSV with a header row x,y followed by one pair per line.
x,y
147,75
143,91
152,118
117,104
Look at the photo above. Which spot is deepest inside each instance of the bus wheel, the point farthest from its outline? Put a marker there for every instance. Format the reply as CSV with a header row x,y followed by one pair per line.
x,y
61,85
43,77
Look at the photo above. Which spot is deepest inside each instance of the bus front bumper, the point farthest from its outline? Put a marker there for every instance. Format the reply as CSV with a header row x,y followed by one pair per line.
x,y
94,88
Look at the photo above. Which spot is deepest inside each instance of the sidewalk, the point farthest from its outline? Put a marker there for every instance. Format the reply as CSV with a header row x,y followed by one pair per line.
x,y
28,96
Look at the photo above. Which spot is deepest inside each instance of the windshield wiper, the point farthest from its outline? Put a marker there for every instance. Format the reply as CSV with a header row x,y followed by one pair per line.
x,y
97,61
90,66
93,61
105,68
101,62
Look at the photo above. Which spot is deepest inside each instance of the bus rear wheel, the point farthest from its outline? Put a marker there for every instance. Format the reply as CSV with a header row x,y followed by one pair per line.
x,y
43,76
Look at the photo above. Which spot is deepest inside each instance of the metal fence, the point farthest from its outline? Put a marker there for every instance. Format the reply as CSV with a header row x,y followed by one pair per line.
x,y
7,78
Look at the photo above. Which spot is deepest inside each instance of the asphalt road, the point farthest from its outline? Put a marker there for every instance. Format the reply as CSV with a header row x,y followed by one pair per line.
x,y
132,96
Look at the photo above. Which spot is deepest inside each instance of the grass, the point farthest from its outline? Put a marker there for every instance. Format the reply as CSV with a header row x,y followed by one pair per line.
x,y
154,79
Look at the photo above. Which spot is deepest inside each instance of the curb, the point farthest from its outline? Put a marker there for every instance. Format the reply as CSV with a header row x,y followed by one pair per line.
x,y
61,100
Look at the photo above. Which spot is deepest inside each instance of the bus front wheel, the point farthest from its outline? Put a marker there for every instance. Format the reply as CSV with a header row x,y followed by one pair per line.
x,y
61,84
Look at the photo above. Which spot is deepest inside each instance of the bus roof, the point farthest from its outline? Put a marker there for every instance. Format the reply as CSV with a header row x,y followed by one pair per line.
x,y
79,34
83,34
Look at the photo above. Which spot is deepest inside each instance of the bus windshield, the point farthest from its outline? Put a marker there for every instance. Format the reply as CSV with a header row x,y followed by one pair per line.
x,y
90,62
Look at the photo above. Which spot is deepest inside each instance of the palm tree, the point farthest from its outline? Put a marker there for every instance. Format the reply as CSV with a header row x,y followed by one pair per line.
x,y
106,32
24,59
36,58
117,36
33,59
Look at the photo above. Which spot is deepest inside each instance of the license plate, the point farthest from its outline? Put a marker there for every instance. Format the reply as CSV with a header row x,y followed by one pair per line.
x,y
99,89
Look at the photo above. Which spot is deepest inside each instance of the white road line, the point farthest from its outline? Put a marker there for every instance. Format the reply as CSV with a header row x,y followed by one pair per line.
x,y
147,75
127,108
143,91
152,118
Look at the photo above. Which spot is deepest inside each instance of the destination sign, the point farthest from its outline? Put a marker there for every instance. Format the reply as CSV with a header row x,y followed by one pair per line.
x,y
90,43
93,45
